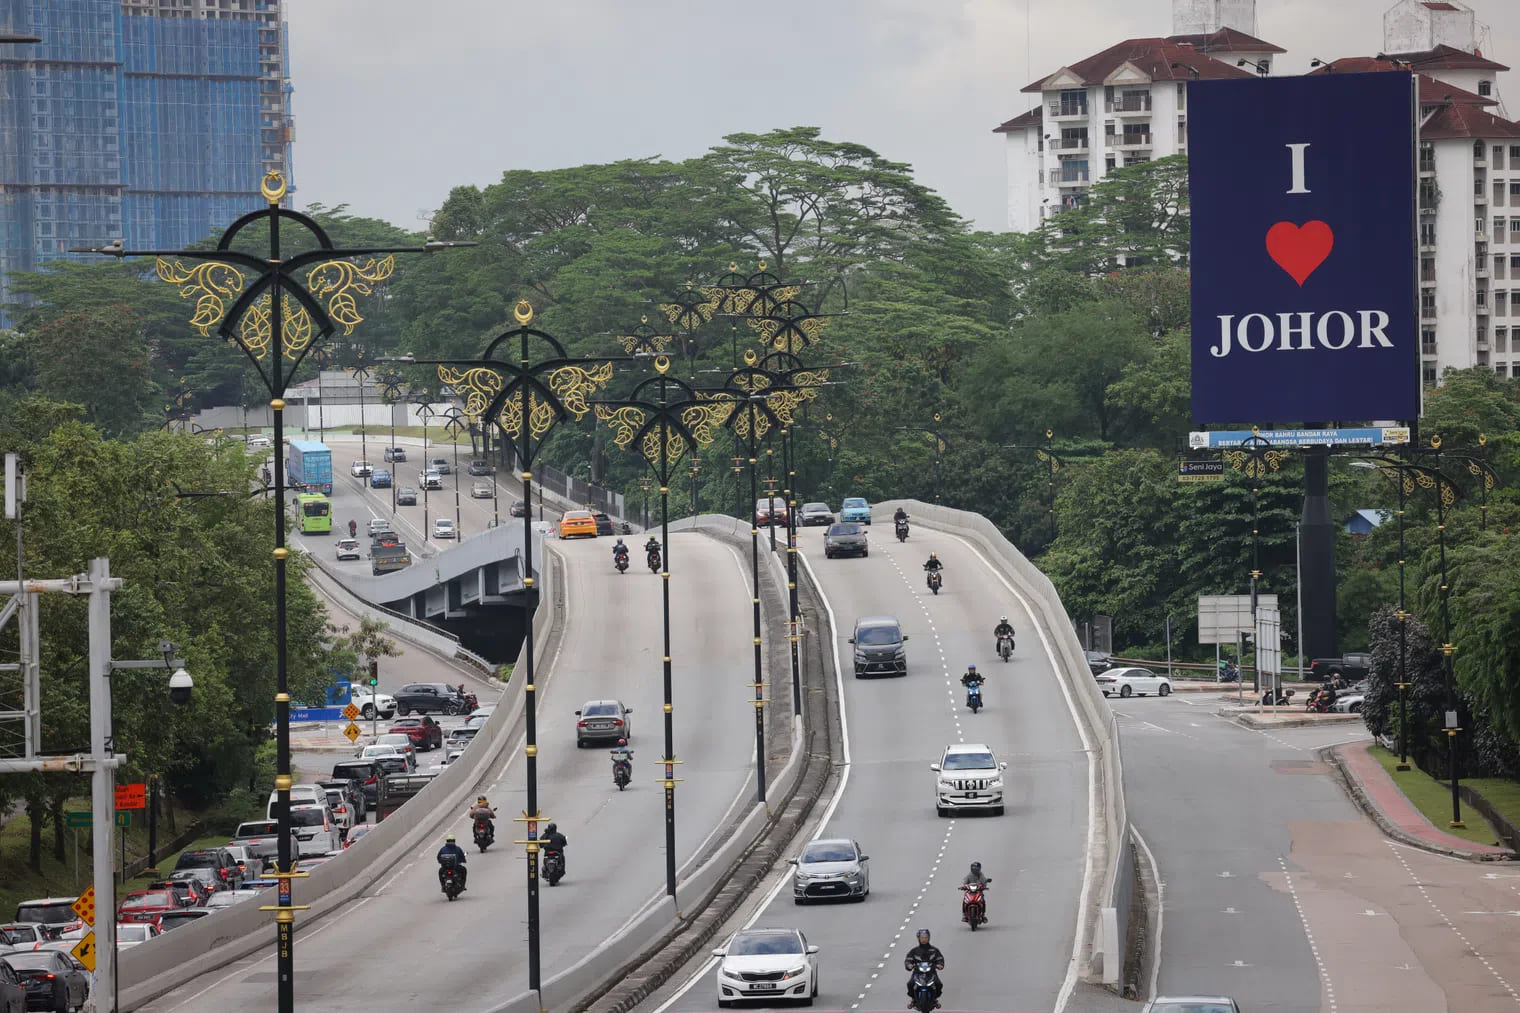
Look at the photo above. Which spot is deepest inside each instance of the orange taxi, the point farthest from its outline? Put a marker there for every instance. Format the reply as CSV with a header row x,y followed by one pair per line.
x,y
577,522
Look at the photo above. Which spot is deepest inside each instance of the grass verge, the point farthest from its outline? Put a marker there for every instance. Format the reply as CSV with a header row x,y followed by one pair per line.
x,y
1433,799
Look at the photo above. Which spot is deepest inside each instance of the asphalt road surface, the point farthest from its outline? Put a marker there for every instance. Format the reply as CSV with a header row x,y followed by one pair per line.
x,y
402,945
1035,853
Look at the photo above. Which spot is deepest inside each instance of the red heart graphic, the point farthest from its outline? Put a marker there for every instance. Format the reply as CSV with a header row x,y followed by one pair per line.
x,y
1300,250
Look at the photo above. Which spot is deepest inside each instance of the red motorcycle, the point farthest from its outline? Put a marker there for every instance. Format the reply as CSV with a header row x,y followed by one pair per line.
x,y
974,905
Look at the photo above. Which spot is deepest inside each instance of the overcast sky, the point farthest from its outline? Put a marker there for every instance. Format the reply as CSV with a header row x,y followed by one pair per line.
x,y
396,101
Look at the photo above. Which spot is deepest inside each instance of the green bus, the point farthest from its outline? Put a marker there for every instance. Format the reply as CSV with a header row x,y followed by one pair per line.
x,y
313,513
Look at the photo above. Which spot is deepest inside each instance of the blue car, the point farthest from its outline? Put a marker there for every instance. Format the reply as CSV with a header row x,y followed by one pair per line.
x,y
380,478
855,510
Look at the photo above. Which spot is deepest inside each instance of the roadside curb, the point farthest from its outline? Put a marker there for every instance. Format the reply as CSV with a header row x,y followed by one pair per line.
x,y
1358,792
1263,721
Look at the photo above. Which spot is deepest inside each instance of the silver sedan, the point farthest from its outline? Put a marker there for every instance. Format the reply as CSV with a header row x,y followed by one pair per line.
x,y
831,868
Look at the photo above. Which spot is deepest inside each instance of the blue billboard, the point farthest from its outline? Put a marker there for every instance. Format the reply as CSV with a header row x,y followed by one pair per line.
x,y
1304,262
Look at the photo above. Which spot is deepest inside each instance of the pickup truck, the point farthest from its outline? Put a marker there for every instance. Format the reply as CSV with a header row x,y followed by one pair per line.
x,y
387,558
262,840
424,732
1350,667
399,788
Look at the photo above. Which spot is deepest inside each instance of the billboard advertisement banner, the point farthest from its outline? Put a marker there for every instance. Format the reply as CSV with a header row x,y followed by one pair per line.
x,y
1303,249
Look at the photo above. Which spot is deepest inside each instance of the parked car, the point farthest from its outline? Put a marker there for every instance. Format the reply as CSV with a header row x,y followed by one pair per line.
x,y
968,776
440,465
845,540
771,509
428,697
768,964
394,454
880,647
518,508
218,860
370,703
360,469
406,496
602,719
1134,682
855,509
380,478
443,527
815,515
479,467
831,868
603,523
424,732
52,980
577,523
262,839
482,490
348,548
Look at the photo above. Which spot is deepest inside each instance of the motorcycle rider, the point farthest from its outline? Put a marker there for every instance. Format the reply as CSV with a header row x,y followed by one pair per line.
x,y
622,754
482,810
353,529
651,546
451,848
1003,629
553,840
933,566
975,880
900,516
619,551
925,952
972,675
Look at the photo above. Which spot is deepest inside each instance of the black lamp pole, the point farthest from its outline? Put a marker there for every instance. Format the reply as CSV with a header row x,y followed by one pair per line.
x,y
454,422
423,400
525,399
940,446
258,304
391,392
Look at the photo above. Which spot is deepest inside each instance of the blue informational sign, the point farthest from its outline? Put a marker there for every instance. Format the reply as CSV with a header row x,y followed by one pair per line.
x,y
1375,437
1303,249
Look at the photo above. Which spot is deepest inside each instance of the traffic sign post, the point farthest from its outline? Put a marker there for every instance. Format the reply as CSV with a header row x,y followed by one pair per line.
x,y
84,907
352,731
84,950
82,818
132,796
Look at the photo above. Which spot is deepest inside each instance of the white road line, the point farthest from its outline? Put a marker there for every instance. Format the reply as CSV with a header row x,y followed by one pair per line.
x,y
1073,966
1324,975
828,813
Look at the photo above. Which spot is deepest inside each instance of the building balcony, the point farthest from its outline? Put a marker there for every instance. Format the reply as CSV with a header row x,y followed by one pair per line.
x,y
1480,161
1061,111
1480,198
1068,144
1132,141
1482,310
1070,177
1427,312
1480,270
1129,105
1480,236
1427,167
1427,279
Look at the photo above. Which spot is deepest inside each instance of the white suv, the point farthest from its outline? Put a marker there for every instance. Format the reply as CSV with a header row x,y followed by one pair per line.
x,y
968,776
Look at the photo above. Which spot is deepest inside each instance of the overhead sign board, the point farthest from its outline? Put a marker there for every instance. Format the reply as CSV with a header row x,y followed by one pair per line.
x,y
1223,617
1373,437
1200,471
1303,248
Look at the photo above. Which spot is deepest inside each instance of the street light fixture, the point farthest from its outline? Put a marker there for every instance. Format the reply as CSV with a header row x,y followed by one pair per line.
x,y
258,304
390,391
1053,462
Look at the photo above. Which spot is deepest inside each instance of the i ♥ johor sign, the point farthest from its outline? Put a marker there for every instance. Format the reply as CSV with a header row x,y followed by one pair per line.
x,y
1303,256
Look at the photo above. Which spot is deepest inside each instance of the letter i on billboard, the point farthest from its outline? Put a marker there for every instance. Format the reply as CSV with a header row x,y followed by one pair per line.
x,y
1303,255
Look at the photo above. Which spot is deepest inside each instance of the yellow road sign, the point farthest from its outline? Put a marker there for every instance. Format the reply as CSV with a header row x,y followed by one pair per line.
x,y
84,950
352,731
84,907
351,712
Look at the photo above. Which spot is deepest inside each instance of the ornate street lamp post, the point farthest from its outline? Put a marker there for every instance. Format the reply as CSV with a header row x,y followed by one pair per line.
x,y
1053,463
423,398
941,445
390,392
662,429
361,368
1256,457
525,399
455,423
259,304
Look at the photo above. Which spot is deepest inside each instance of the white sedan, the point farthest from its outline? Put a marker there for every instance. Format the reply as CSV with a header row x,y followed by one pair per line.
x,y
1133,682
348,548
443,528
767,964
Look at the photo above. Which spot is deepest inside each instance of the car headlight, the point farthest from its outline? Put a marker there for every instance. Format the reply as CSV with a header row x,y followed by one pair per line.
x,y
794,972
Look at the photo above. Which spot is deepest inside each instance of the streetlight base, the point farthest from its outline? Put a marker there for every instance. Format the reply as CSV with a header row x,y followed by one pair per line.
x,y
1457,825
1401,766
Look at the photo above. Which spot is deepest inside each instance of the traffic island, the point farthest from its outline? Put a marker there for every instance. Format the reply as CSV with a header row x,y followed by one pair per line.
x,y
1406,804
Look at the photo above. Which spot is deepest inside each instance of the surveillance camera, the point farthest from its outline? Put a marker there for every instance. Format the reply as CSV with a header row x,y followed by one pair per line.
x,y
180,685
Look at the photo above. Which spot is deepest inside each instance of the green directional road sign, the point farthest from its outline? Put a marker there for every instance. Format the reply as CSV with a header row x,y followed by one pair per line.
x,y
85,818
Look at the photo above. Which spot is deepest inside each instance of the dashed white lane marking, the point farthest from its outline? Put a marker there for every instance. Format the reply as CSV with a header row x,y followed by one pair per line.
x,y
1442,915
908,918
1324,975
944,664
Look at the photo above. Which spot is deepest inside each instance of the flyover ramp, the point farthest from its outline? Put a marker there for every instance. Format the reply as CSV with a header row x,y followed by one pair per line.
x,y
399,943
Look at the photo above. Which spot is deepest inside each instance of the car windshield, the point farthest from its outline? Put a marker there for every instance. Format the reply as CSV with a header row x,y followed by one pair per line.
x,y
845,529
968,761
159,898
764,943
829,851
854,501
37,960
132,933
600,710
306,817
255,829
393,740
197,860
815,508
334,798
877,636
347,772
1193,1007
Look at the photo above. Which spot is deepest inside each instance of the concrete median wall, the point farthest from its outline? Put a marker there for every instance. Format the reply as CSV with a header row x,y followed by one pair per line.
x,y
1104,948
171,960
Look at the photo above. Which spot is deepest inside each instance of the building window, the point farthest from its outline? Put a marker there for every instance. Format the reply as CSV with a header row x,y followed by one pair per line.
x,y
1428,373
1500,369
1498,156
1427,157
1499,266
1427,340
1073,103
1514,266
1427,269
1514,301
1501,338
1514,230
1498,193
1427,234
1514,153
1500,302
1482,297
1427,305
1485,88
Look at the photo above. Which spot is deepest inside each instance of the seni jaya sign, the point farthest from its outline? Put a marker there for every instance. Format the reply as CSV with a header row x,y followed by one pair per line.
x,y
1303,255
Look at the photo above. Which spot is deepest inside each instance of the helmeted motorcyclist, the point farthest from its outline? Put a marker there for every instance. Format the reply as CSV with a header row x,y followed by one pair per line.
x,y
553,840
653,545
450,848
1003,629
619,551
482,810
975,877
925,952
353,529
622,754
900,515
933,566
972,675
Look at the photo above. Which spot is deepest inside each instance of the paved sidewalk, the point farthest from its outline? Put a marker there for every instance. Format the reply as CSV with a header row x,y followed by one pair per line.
x,y
1398,814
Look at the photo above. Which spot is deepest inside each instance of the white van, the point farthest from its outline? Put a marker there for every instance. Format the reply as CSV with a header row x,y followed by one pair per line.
x,y
300,794
316,830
